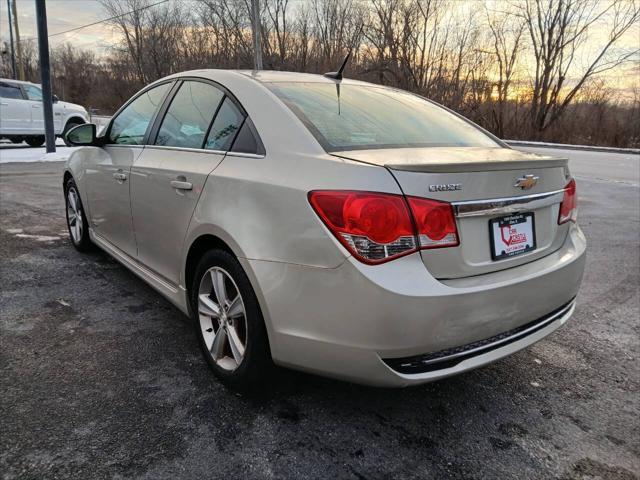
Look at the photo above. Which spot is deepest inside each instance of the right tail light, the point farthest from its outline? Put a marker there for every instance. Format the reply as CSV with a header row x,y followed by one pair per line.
x,y
569,205
378,227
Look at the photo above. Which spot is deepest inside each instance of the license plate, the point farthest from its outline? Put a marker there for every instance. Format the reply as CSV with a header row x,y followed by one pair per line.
x,y
512,235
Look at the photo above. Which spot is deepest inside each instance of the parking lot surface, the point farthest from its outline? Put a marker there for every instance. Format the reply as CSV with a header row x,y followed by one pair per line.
x,y
102,378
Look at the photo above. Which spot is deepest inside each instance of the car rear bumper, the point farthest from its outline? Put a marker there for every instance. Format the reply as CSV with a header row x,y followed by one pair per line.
x,y
363,323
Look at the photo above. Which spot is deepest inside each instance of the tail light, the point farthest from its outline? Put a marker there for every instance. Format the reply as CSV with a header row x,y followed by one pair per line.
x,y
435,222
378,227
569,205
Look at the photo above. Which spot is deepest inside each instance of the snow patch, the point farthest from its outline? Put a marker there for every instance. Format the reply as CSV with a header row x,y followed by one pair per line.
x,y
38,238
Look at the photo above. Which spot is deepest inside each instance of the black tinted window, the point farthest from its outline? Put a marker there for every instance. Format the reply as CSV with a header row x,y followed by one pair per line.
x,y
225,126
10,91
129,127
189,115
246,142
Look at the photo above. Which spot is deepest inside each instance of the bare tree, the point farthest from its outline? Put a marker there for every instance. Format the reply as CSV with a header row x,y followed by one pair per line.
x,y
506,39
558,30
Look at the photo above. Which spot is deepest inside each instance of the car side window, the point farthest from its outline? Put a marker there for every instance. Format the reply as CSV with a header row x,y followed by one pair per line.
x,y
246,141
130,126
33,93
10,91
189,115
225,126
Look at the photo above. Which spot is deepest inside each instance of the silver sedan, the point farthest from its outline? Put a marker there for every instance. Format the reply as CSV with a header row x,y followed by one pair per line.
x,y
329,225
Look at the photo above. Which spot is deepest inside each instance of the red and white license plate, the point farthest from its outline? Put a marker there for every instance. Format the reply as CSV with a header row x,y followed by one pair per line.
x,y
512,235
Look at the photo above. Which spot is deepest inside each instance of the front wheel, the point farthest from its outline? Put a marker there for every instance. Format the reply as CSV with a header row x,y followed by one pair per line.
x,y
229,322
35,141
76,218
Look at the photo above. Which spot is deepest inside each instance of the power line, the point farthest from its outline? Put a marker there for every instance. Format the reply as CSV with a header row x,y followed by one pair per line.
x,y
108,19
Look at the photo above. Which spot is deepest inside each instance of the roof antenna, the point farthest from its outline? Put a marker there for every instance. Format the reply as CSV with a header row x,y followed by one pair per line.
x,y
338,75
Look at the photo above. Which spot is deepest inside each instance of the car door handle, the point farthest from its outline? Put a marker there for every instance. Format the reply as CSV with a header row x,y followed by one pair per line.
x,y
4,104
121,177
35,106
181,185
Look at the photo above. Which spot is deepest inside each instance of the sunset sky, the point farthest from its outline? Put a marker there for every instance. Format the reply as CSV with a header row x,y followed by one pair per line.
x,y
67,14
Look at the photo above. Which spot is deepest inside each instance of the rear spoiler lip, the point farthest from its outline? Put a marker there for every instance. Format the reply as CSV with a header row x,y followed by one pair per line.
x,y
458,167
482,166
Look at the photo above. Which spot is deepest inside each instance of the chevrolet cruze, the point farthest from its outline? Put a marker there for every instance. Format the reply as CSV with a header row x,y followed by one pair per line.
x,y
329,225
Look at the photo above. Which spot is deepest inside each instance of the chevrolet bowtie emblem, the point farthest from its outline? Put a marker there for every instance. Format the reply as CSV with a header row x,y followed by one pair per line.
x,y
526,182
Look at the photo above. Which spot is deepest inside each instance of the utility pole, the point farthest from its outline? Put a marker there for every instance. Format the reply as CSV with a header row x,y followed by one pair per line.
x,y
257,35
18,45
45,75
13,47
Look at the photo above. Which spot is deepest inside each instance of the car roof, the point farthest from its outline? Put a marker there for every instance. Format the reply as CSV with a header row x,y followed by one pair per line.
x,y
269,76
21,82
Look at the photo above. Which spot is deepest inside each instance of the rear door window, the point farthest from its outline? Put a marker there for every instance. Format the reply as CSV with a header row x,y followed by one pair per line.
x,y
189,115
225,126
10,91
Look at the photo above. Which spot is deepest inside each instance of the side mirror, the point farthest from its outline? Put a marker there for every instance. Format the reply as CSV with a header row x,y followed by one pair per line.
x,y
55,99
82,135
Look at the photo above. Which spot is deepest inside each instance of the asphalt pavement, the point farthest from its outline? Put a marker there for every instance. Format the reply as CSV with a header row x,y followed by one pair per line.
x,y
102,378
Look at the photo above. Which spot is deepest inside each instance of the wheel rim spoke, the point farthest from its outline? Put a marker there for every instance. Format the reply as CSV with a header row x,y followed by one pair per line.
x,y
217,278
217,347
237,349
236,307
208,307
72,200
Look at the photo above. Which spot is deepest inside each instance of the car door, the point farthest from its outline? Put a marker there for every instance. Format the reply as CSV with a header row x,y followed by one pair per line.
x,y
15,113
189,142
34,99
107,178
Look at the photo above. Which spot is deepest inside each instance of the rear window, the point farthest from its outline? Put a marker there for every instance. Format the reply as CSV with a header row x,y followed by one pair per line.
x,y
358,117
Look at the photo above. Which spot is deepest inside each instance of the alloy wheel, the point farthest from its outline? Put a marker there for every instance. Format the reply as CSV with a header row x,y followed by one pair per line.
x,y
223,320
74,215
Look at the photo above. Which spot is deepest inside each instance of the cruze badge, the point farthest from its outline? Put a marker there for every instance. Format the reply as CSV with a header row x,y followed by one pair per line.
x,y
445,187
526,182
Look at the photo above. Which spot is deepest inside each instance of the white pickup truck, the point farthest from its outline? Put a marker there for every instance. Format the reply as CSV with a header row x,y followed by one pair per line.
x,y
22,118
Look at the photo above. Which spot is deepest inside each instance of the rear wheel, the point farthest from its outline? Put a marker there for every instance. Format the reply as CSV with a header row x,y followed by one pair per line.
x,y
16,139
76,218
35,141
229,322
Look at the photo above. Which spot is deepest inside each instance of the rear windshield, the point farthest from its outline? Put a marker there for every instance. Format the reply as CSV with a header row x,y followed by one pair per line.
x,y
358,117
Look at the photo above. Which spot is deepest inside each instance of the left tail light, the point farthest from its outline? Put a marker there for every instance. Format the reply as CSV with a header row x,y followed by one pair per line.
x,y
569,205
378,227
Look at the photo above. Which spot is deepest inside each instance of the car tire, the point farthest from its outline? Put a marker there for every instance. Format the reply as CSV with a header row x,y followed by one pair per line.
x,y
16,140
35,141
70,124
76,218
234,340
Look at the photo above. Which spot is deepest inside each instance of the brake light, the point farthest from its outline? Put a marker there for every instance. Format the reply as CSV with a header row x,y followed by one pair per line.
x,y
569,205
378,227
435,222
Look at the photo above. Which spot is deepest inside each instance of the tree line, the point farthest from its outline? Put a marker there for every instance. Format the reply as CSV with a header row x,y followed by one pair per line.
x,y
523,69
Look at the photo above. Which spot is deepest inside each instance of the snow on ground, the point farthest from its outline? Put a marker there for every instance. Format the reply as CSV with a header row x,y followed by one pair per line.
x,y
10,153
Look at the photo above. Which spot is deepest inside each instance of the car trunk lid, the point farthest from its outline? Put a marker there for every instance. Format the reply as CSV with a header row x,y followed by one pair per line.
x,y
480,183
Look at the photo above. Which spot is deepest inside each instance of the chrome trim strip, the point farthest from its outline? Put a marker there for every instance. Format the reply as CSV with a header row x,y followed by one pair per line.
x,y
245,155
474,208
510,339
185,149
